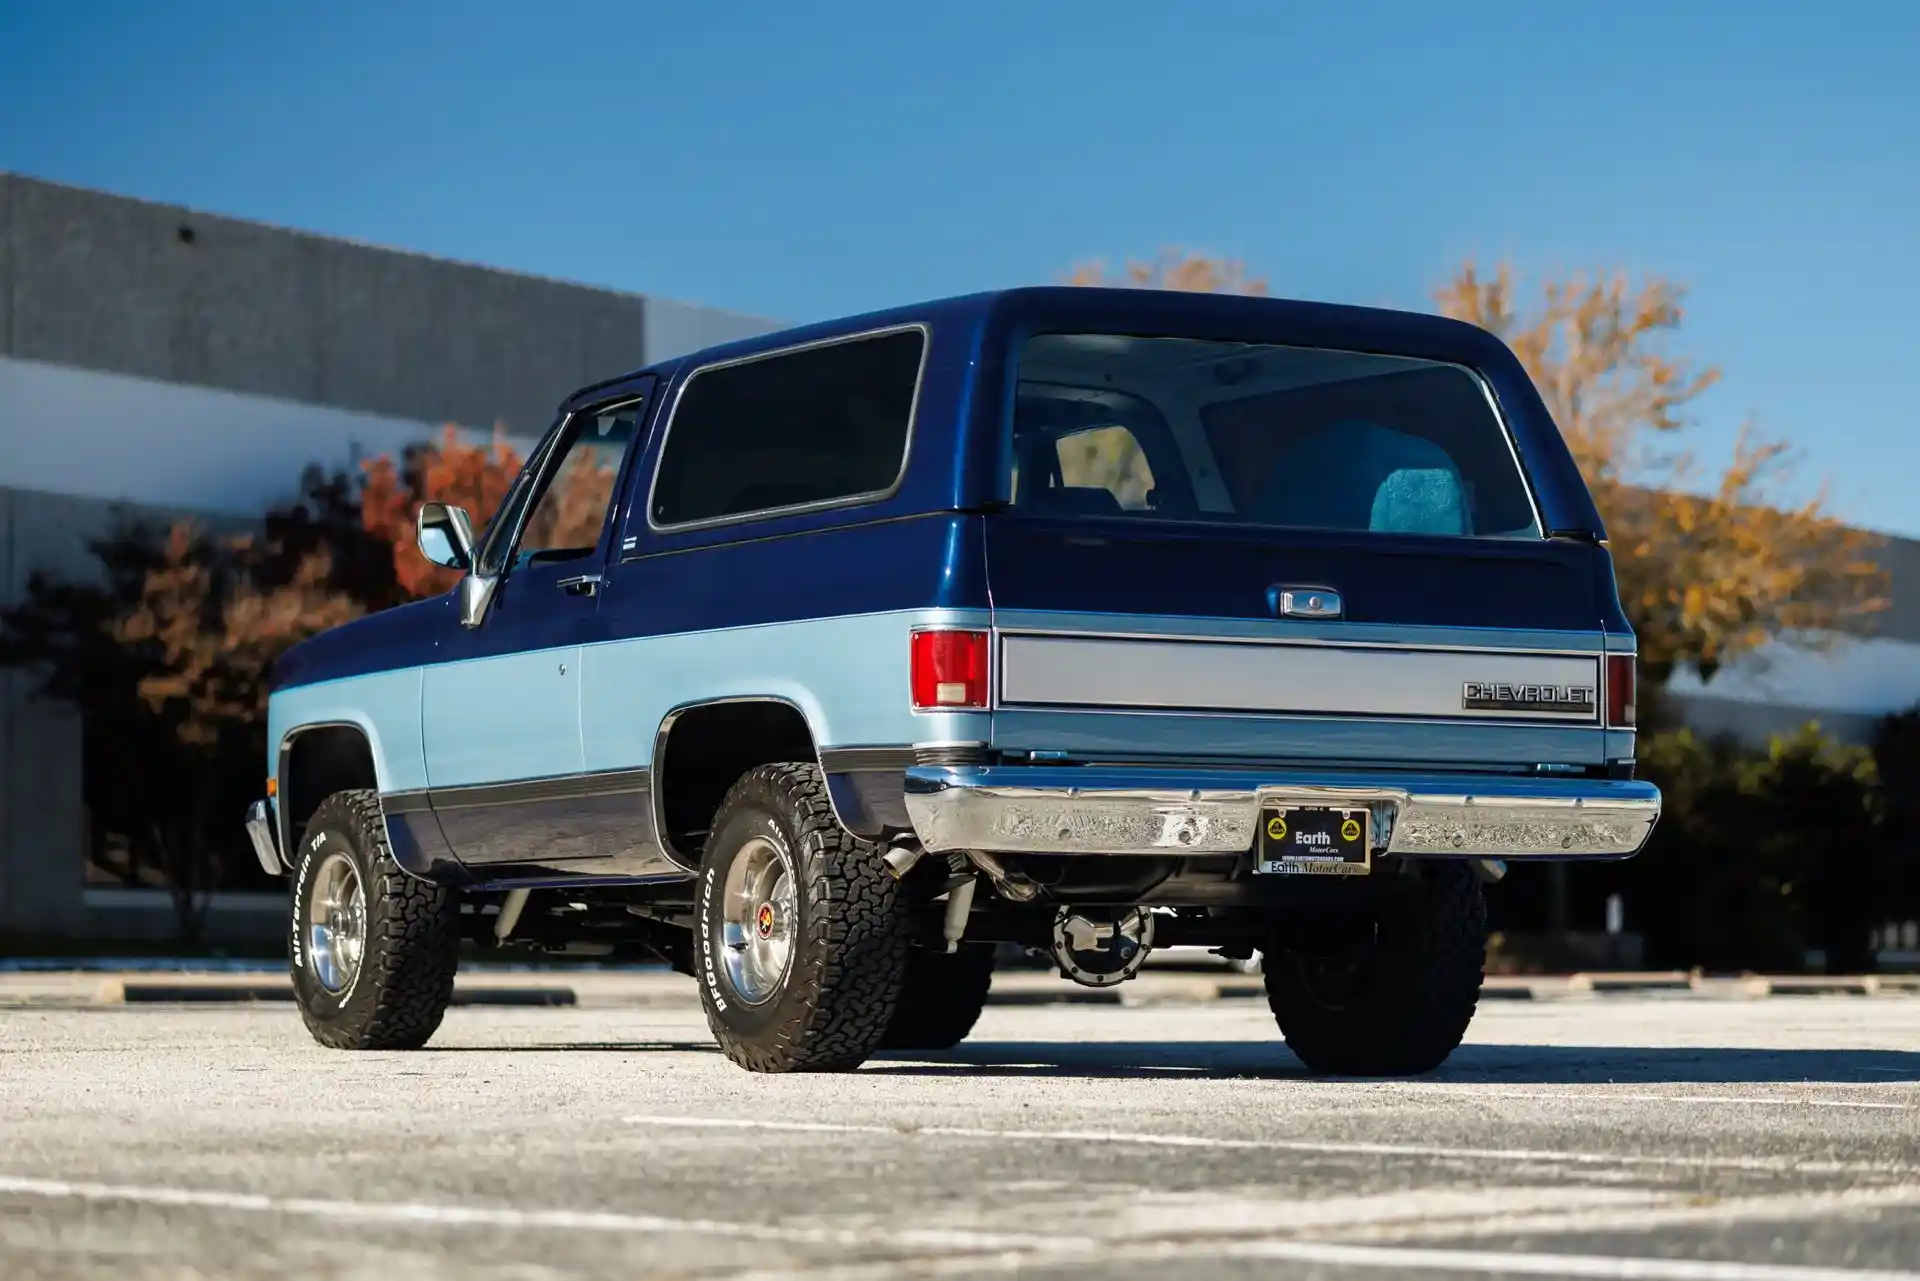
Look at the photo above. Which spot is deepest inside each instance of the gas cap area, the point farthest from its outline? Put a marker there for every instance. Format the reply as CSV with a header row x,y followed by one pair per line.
x,y
1099,947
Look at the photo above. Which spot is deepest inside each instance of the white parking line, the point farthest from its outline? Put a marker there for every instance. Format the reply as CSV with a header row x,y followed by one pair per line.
x,y
1397,1260
976,1252
1774,1165
1498,1263
1645,1217
434,1215
1693,1100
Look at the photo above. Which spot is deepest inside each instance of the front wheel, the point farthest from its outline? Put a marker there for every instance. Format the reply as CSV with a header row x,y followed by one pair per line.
x,y
1389,993
802,931
373,950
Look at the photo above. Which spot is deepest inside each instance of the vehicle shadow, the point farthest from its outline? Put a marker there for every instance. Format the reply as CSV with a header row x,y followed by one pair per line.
x,y
589,1047
1470,1064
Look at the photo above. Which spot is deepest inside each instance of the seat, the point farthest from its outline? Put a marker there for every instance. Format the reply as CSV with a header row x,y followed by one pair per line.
x,y
1362,476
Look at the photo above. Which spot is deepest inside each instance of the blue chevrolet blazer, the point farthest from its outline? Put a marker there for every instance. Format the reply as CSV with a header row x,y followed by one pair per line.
x,y
1082,620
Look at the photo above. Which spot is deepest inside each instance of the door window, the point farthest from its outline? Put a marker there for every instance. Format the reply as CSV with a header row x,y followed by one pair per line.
x,y
568,504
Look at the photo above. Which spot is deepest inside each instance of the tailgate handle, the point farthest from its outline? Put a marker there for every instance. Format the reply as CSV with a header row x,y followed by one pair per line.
x,y
1303,602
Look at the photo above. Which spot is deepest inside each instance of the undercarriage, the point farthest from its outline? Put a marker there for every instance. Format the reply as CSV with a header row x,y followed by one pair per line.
x,y
1096,917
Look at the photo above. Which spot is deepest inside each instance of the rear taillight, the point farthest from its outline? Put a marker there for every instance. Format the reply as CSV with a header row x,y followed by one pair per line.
x,y
1620,692
949,671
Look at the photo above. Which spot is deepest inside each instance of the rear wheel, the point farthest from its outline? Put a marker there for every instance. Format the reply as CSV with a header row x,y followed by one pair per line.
x,y
373,949
802,932
1389,993
941,999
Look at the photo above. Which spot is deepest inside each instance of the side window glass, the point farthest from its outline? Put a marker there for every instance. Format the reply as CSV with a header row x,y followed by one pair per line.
x,y
820,425
496,536
576,487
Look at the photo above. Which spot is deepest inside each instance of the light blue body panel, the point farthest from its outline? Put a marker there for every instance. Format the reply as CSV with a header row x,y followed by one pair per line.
x,y
848,676
519,716
1116,735
504,718
384,705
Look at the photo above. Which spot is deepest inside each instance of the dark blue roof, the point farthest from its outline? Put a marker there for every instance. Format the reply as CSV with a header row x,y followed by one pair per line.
x,y
1142,311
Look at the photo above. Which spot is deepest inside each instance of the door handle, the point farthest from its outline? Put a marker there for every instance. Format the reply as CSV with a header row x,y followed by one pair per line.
x,y
581,585
1304,602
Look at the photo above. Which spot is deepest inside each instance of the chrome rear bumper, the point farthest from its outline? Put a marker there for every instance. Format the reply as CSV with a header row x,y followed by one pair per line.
x,y
266,846
1028,809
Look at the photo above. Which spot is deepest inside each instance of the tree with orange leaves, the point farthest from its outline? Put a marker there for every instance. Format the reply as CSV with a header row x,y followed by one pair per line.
x,y
448,470
1180,269
476,477
1708,571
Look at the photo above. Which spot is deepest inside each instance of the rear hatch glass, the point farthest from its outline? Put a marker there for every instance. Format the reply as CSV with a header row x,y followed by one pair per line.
x,y
1251,434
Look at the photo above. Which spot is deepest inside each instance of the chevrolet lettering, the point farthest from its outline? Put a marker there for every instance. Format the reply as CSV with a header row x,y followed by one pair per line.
x,y
1478,696
824,664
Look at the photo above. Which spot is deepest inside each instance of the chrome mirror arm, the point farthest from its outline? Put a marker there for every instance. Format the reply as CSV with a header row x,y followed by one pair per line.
x,y
476,593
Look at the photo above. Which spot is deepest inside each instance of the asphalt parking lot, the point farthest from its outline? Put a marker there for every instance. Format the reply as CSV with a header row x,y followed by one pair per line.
x,y
1618,1136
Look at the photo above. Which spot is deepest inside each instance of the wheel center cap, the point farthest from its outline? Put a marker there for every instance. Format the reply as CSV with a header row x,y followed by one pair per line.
x,y
763,920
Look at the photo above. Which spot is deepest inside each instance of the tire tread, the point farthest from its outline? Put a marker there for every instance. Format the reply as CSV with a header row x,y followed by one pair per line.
x,y
852,956
1420,995
942,998
413,943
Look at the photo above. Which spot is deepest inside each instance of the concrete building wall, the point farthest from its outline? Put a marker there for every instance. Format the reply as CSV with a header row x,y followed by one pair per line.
x,y
100,282
122,438
42,819
675,328
158,361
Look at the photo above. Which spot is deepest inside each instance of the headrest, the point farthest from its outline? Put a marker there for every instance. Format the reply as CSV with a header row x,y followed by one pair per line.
x,y
1359,475
1419,500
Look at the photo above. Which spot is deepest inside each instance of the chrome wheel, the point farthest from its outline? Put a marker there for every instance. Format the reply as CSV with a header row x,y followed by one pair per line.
x,y
757,920
336,924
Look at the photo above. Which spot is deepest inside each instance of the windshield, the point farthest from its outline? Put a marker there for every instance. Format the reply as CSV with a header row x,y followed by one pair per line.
x,y
1181,429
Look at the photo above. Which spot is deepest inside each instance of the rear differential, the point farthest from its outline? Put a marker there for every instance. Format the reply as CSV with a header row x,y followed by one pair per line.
x,y
1099,947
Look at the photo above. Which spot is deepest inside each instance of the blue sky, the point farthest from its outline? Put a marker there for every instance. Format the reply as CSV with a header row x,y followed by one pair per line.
x,y
798,161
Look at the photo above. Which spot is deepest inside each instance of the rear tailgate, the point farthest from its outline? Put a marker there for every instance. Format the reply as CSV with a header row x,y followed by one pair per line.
x,y
1134,641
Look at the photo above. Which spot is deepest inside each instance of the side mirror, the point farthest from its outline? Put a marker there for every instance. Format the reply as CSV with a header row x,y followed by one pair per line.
x,y
445,535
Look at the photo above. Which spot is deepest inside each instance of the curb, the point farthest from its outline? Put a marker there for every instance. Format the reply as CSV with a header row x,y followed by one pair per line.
x,y
221,991
1011,988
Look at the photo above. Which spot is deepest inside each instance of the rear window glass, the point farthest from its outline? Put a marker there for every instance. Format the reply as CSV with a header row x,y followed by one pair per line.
x,y
820,425
1173,428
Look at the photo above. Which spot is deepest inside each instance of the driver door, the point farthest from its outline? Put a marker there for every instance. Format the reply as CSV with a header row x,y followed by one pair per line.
x,y
500,709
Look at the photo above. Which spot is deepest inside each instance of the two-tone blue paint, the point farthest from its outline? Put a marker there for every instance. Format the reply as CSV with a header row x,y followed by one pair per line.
x,y
568,693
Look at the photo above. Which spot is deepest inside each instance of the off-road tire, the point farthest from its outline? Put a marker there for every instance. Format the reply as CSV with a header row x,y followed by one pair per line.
x,y
941,999
412,948
850,936
1406,1002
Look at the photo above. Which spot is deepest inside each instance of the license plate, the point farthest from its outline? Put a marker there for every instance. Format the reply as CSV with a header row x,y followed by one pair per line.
x,y
1313,842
